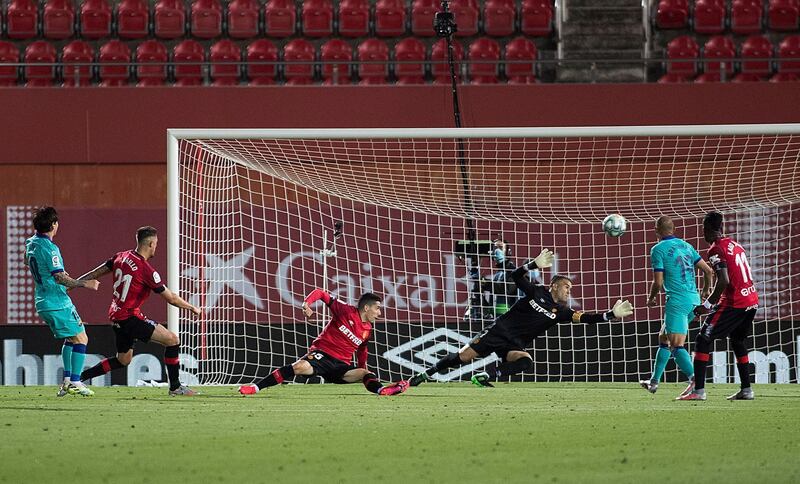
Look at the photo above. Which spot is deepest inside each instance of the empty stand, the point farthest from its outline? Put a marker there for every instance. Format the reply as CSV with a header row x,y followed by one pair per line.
x,y
22,19
746,16
373,50
709,16
317,18
225,56
280,18
484,66
206,19
520,55
390,18
58,19
466,13
265,52
243,19
77,52
718,47
151,59
440,68
789,48
9,54
783,14
337,57
536,17
499,17
409,55
133,19
422,13
672,14
188,58
753,48
682,55
353,18
169,19
114,60
40,52
95,19
298,57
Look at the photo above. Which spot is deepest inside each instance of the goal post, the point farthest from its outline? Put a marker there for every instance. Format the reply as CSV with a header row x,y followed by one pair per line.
x,y
251,215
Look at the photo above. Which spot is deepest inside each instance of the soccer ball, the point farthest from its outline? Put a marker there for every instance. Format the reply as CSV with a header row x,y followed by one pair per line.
x,y
615,225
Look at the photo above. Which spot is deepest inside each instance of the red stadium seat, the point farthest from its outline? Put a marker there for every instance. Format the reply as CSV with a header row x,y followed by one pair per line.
x,y
746,16
422,12
484,65
58,19
440,69
280,18
520,49
206,19
151,60
536,17
353,18
262,50
683,47
133,19
709,16
709,77
227,74
9,54
499,17
783,14
188,58
317,18
466,13
115,58
390,18
672,14
95,19
756,47
169,19
339,51
22,19
243,19
373,50
672,79
298,58
746,77
785,77
719,47
789,48
409,50
40,52
77,52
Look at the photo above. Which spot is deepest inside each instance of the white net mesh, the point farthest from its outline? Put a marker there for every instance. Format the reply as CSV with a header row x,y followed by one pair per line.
x,y
256,214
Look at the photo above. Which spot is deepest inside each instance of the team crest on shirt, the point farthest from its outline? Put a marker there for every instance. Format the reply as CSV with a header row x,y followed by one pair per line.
x,y
56,261
364,334
156,278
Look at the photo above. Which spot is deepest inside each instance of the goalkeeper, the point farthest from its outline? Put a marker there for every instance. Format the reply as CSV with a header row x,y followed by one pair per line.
x,y
531,316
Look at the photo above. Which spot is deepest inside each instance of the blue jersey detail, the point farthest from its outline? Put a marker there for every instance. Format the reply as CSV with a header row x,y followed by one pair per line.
x,y
44,260
676,258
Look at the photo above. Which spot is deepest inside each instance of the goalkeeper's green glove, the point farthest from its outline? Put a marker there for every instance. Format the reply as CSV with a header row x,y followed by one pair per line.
x,y
543,260
621,309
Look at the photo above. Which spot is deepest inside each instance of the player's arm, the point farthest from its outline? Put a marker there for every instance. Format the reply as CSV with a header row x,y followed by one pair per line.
x,y
655,288
313,297
361,355
65,280
708,277
620,310
541,261
175,300
99,271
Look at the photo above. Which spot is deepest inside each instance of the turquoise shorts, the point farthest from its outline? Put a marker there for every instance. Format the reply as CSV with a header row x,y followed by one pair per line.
x,y
677,316
64,323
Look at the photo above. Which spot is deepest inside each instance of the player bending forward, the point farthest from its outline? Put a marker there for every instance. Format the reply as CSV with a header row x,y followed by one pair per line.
x,y
331,354
509,335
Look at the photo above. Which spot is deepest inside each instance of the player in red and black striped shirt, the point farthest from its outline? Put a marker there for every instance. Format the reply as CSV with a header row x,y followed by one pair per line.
x,y
331,354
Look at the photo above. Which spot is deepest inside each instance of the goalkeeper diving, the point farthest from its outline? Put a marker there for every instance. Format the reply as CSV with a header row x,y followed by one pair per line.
x,y
530,317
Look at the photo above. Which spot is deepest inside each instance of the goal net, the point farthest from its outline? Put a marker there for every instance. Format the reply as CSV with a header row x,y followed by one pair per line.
x,y
253,214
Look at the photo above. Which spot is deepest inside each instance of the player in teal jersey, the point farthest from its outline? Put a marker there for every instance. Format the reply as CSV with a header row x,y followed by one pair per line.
x,y
674,262
54,306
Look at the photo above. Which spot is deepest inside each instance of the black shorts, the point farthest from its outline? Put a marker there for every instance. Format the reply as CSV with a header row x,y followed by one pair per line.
x,y
493,340
326,366
127,331
734,322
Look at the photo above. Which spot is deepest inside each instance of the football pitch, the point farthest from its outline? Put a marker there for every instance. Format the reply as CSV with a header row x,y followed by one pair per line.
x,y
519,432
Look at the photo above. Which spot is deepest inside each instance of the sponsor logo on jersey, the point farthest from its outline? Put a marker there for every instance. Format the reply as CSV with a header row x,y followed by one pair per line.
x,y
156,278
355,339
56,262
746,291
542,310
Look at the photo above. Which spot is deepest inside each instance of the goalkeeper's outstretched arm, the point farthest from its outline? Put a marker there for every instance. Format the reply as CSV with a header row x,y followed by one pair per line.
x,y
543,260
620,310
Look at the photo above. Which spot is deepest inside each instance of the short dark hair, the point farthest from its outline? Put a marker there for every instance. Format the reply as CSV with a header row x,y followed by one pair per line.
x,y
144,233
368,298
713,221
557,279
44,218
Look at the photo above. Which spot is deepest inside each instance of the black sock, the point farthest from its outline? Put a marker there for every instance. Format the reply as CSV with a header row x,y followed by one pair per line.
x,y
450,361
742,361
513,367
700,364
277,377
173,363
105,366
371,383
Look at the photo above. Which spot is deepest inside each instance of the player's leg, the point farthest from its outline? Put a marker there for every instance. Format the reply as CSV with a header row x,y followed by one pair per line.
x,y
301,367
717,325
514,360
679,352
172,347
66,360
72,323
663,355
370,381
452,360
124,342
738,339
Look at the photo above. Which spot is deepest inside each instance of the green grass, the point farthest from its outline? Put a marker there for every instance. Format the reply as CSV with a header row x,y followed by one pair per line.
x,y
540,432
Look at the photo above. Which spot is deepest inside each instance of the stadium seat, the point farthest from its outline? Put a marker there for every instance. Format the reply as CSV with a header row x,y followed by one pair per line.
x,y
709,77
262,50
9,54
188,58
58,19
373,50
440,69
683,47
353,18
709,16
95,19
114,59
151,60
227,74
466,13
785,77
280,18
133,19
746,16
719,47
672,79
409,50
746,77
40,52
789,48
22,19
77,52
339,51
756,47
206,19
243,19
298,58
390,18
520,49
422,12
672,14
499,17
783,14
169,19
536,17
484,57
317,18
